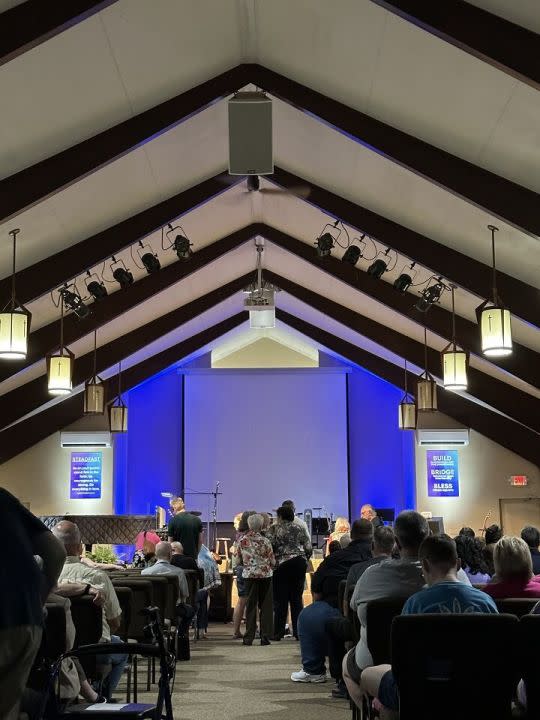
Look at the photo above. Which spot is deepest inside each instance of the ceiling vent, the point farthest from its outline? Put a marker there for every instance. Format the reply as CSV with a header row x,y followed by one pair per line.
x,y
435,428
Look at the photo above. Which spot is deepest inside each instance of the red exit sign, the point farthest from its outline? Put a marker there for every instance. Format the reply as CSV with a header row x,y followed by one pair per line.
x,y
519,480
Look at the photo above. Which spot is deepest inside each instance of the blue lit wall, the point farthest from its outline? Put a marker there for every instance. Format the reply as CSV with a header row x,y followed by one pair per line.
x,y
148,459
381,457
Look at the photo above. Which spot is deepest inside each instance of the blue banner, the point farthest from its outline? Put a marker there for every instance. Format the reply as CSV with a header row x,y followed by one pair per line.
x,y
442,473
85,481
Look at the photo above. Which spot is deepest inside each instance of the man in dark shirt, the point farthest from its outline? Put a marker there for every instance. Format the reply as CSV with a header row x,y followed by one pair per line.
x,y
23,590
531,535
185,528
324,587
183,561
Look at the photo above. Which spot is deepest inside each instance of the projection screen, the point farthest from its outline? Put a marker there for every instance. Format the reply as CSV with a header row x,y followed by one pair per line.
x,y
266,436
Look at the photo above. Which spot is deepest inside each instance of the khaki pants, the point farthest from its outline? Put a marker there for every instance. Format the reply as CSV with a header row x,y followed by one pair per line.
x,y
18,648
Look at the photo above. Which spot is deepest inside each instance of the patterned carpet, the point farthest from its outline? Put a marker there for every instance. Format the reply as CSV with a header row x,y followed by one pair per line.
x,y
225,680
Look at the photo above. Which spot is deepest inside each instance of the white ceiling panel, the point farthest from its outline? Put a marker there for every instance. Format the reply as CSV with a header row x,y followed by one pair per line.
x,y
165,47
330,46
61,92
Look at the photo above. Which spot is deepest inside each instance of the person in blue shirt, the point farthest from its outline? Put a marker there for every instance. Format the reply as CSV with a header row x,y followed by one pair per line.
x,y
443,594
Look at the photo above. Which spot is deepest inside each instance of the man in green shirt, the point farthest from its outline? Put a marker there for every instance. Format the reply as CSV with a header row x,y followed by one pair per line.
x,y
185,528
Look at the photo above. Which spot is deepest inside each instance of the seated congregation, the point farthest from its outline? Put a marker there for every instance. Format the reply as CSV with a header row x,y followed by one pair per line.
x,y
394,609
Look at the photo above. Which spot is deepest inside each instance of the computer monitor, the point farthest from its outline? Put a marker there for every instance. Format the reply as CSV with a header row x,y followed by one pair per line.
x,y
386,514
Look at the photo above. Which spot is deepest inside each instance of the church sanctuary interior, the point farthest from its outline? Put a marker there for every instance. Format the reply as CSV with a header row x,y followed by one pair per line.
x,y
270,359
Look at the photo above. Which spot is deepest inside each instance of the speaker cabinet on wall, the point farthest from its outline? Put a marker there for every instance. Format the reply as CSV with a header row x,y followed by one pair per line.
x,y
250,134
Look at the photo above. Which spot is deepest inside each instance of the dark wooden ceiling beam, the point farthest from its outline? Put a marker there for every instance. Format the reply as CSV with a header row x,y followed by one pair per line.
x,y
515,403
29,397
31,23
498,196
522,299
47,337
498,42
502,430
47,177
524,363
23,435
53,271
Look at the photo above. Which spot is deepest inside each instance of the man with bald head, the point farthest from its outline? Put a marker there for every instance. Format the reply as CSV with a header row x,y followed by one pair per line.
x,y
163,566
74,571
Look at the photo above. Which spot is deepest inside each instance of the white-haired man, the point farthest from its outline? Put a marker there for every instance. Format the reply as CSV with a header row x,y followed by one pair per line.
x,y
74,571
163,566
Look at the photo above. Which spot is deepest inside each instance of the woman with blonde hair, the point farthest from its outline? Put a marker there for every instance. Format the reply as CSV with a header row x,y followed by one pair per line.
x,y
513,571
342,527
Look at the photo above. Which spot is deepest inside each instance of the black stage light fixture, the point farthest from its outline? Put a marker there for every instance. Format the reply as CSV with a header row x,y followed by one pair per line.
x,y
352,255
325,242
180,243
379,266
74,302
149,259
404,281
96,288
430,295
121,274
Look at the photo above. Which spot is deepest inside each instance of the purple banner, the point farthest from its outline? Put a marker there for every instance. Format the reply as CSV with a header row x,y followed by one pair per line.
x,y
85,481
442,473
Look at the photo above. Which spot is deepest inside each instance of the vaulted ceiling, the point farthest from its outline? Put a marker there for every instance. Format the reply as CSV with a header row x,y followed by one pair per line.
x,y
413,130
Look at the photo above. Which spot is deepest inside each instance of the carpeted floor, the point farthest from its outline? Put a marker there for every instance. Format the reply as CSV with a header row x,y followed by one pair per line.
x,y
225,680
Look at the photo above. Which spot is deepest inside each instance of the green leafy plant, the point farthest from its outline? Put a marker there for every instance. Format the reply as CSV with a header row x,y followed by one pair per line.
x,y
102,554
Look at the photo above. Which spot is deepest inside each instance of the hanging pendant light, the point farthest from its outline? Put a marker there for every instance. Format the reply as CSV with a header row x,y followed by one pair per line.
x,y
60,364
118,412
14,320
94,389
426,387
407,409
494,318
454,359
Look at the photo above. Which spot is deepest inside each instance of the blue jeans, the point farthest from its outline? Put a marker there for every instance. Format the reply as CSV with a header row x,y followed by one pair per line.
x,y
118,662
313,638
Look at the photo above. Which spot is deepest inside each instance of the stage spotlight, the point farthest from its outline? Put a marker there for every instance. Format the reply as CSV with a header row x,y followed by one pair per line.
x,y
96,288
151,262
181,244
379,266
149,258
352,255
326,240
404,281
430,295
121,274
74,302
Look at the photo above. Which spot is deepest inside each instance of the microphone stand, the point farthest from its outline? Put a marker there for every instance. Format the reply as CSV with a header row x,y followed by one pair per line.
x,y
214,514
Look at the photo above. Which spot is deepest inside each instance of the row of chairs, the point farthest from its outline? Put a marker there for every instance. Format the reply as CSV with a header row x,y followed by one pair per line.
x,y
135,592
463,648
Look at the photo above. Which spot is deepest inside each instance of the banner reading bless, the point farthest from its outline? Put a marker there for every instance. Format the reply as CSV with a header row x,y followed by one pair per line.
x,y
442,473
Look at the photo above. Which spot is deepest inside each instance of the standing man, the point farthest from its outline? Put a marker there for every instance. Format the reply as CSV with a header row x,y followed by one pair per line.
x,y
185,528
23,590
367,512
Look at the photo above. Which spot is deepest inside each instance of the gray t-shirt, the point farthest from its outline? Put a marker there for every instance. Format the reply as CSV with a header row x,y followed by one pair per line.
x,y
390,578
